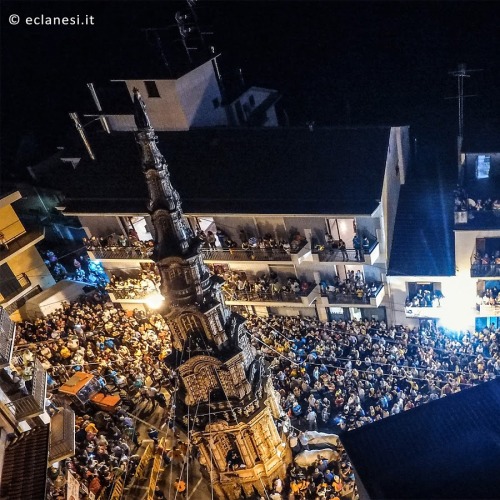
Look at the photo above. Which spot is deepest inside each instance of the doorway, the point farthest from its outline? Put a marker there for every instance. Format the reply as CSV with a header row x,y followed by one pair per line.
x,y
344,229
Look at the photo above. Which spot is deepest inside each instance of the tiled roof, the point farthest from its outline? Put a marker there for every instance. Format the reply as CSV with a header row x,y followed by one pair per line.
x,y
448,448
261,171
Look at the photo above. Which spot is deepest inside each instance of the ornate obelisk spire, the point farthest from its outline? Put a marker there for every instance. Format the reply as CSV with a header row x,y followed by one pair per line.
x,y
188,282
224,397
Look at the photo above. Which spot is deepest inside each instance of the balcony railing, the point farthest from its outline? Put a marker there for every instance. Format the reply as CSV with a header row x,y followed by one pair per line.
x,y
17,287
121,253
484,270
348,255
260,296
62,435
234,254
19,243
7,336
33,404
366,297
131,293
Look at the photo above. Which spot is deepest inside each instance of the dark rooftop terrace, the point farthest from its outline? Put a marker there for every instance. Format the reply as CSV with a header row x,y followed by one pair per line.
x,y
261,171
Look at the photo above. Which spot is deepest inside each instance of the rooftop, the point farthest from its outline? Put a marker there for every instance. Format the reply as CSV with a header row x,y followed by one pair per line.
x,y
448,448
247,171
423,242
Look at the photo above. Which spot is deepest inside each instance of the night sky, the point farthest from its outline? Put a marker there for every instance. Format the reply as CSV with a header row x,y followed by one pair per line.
x,y
335,63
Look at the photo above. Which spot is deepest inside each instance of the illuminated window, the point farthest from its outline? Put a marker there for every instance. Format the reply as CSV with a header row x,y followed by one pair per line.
x,y
483,164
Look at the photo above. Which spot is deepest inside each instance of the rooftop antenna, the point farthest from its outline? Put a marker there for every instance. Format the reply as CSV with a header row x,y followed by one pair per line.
x,y
217,71
81,131
159,45
461,73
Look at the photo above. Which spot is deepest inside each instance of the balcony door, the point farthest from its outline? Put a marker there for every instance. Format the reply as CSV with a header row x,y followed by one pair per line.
x,y
342,229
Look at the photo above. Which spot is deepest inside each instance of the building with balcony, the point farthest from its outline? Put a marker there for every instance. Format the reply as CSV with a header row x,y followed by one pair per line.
x,y
445,263
23,272
289,186
30,439
477,236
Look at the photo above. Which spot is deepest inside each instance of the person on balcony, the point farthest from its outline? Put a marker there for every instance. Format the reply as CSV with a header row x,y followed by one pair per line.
x,y
343,250
356,243
221,236
211,240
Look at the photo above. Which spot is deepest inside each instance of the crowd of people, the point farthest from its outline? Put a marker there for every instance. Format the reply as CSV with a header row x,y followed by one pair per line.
x,y
464,203
80,268
352,288
114,242
345,374
124,352
486,264
125,287
490,297
425,298
239,286
331,376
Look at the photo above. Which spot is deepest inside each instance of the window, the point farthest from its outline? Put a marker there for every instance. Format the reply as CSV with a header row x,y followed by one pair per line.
x,y
151,88
216,102
251,100
483,164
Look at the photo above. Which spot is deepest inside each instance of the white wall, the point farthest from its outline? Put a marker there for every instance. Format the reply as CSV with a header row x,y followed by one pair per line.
x,y
31,263
457,309
259,96
396,157
101,225
196,91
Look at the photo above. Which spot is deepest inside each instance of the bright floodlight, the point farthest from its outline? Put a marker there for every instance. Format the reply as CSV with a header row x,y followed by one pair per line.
x,y
155,301
455,318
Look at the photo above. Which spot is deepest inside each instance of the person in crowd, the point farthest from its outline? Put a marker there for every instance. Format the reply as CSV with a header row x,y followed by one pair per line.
x,y
345,373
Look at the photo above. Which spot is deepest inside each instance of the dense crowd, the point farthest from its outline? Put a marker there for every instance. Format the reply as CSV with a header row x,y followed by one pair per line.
x,y
240,286
114,242
463,202
126,287
330,376
79,268
349,373
342,375
124,351
352,288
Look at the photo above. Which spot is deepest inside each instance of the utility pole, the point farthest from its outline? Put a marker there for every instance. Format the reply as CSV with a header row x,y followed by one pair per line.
x,y
461,73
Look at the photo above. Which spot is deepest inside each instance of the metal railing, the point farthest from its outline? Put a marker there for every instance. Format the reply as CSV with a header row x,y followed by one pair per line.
x,y
246,255
335,254
14,306
62,435
7,334
21,283
123,253
39,381
28,237
478,269
342,297
277,296
33,404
